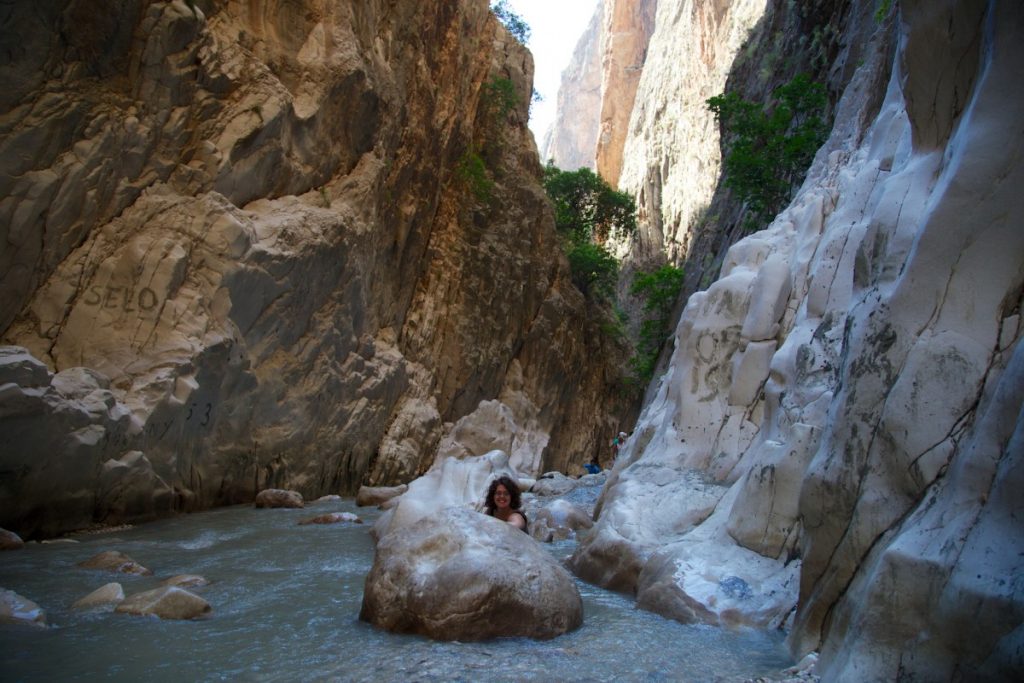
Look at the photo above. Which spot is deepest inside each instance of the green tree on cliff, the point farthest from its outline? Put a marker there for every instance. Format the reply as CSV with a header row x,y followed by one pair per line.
x,y
519,29
769,146
589,213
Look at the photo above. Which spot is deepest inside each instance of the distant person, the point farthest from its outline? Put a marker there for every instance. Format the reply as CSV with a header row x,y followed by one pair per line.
x,y
503,501
617,444
593,467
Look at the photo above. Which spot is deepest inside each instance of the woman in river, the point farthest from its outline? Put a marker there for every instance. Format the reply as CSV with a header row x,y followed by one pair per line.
x,y
503,500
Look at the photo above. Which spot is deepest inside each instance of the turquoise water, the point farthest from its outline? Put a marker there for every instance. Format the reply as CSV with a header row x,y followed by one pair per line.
x,y
285,604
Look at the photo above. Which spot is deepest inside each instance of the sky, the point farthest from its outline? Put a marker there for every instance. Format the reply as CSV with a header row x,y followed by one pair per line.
x,y
555,27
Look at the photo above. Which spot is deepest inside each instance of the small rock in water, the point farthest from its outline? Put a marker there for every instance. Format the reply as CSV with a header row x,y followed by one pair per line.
x,y
114,561
108,596
17,609
169,602
333,518
10,540
278,498
378,495
328,498
186,581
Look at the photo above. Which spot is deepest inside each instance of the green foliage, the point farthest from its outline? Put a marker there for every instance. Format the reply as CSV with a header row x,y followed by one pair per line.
x,y
594,269
659,290
770,148
883,10
498,97
587,213
519,29
586,207
472,171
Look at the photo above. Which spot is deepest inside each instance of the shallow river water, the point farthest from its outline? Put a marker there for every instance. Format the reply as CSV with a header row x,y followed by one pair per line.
x,y
286,602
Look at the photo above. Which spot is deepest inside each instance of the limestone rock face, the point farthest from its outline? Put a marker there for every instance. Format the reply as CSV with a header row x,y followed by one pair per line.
x,y
249,228
670,153
626,29
571,142
841,419
461,575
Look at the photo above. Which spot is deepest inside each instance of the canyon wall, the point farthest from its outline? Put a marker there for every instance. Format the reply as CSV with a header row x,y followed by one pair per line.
x,y
836,444
571,140
253,244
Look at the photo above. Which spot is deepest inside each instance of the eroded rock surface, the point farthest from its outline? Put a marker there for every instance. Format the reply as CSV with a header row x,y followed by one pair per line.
x,y
248,226
840,421
115,561
461,575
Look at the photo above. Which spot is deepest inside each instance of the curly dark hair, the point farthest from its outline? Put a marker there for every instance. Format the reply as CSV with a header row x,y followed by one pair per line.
x,y
513,492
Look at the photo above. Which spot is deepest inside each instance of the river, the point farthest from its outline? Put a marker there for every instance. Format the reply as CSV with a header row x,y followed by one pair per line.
x,y
286,601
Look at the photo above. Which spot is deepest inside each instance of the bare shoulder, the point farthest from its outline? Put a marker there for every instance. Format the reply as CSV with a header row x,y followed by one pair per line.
x,y
517,520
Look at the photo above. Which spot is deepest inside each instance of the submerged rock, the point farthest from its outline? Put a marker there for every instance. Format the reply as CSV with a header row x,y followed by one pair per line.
x,y
18,609
115,561
186,581
168,602
333,518
108,595
559,520
460,575
278,498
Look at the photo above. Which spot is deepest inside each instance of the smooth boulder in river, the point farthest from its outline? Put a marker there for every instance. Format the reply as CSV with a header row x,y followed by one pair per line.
x,y
461,575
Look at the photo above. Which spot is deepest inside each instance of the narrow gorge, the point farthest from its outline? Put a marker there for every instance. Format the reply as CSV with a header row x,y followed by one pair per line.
x,y
306,246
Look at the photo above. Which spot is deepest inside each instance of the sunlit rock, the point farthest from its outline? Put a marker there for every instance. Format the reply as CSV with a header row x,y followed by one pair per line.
x,y
461,575
376,495
333,518
265,258
115,561
105,597
10,540
278,498
17,609
168,602
558,520
455,483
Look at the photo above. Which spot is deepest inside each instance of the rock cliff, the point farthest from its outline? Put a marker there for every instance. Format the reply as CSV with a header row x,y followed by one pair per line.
x,y
835,443
572,139
253,244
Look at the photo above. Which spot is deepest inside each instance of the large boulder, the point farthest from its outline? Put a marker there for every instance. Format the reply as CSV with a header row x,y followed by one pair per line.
x,y
461,575
553,484
456,482
168,602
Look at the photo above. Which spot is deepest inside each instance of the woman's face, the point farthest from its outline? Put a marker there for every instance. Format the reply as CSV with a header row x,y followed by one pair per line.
x,y
502,499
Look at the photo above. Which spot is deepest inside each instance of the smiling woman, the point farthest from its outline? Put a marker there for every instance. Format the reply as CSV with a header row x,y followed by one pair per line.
x,y
503,501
